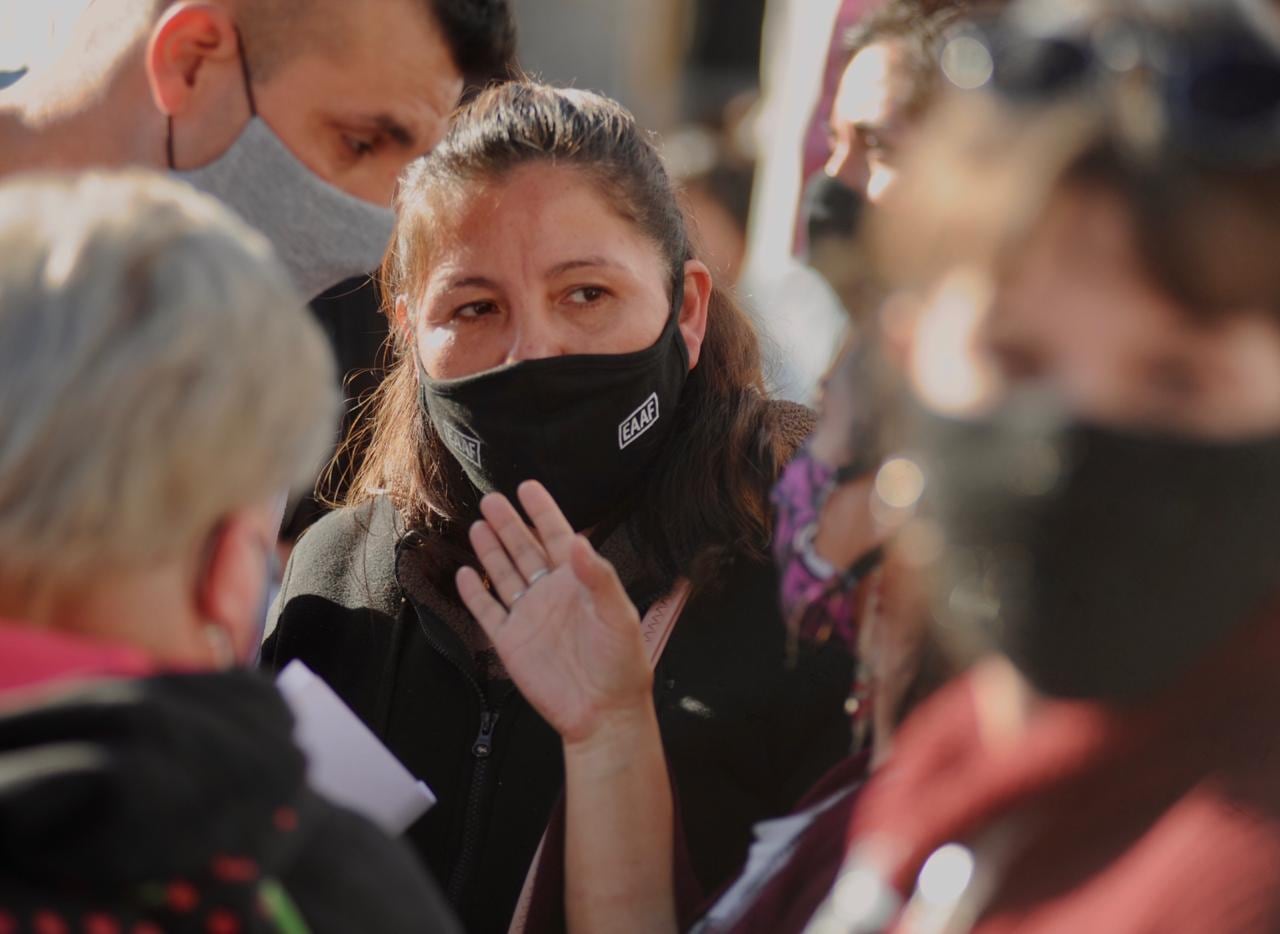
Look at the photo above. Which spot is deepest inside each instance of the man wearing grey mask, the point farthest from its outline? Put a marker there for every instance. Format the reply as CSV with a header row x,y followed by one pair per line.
x,y
299,114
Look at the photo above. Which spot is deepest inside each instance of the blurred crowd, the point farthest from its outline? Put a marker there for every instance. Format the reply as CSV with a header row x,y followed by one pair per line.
x,y
924,582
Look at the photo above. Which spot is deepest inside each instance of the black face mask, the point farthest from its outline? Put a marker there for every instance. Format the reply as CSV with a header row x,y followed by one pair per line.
x,y
1102,563
586,426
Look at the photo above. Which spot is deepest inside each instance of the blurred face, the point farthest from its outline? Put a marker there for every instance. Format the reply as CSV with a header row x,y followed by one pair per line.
x,y
539,265
1078,314
357,115
870,119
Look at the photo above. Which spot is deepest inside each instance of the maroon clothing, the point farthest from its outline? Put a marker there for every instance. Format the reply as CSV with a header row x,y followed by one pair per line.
x,y
784,903
788,899
1160,818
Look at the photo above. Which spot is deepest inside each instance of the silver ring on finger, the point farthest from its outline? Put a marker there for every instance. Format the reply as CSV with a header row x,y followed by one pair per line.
x,y
515,597
537,576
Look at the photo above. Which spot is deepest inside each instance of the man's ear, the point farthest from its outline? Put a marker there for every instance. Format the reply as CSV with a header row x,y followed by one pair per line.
x,y
233,579
693,313
189,39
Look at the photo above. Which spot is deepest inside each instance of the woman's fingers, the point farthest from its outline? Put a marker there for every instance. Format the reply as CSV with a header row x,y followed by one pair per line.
x,y
493,557
553,528
487,611
600,578
516,537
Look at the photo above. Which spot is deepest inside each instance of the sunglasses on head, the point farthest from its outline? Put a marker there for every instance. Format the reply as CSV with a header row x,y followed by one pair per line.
x,y
1211,86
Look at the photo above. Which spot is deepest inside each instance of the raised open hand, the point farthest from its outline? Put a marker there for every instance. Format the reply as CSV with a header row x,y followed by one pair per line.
x,y
558,616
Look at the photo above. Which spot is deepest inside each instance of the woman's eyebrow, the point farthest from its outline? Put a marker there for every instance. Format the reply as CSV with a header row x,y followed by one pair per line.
x,y
468,282
583,263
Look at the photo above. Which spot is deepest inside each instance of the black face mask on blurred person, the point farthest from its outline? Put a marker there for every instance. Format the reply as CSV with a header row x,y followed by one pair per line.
x,y
587,426
1103,563
830,208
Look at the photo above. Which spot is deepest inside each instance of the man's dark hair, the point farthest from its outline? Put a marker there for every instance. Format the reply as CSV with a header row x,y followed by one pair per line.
x,y
481,35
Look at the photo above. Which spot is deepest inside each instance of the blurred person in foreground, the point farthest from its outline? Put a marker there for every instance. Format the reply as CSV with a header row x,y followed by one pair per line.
x,y
553,322
170,381
827,541
1093,366
888,83
299,115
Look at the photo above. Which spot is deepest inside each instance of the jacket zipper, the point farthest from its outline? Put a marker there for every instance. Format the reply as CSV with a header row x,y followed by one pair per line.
x,y
481,750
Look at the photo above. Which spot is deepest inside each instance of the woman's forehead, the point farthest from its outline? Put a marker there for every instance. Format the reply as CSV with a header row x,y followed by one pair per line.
x,y
544,218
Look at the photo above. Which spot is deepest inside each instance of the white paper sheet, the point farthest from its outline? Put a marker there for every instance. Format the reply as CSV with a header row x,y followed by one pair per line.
x,y
345,761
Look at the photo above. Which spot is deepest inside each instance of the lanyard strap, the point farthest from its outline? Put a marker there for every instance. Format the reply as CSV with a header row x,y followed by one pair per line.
x,y
660,621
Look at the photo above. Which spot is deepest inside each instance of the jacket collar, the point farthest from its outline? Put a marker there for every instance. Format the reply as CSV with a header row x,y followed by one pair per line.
x,y
31,657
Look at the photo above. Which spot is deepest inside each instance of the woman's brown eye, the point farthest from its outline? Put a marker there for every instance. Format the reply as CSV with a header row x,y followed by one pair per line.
x,y
474,310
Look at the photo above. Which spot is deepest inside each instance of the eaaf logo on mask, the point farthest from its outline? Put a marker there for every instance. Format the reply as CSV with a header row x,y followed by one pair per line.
x,y
463,445
638,422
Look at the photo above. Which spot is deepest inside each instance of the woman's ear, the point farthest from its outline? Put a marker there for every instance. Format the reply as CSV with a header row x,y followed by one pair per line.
x,y
188,38
400,319
693,313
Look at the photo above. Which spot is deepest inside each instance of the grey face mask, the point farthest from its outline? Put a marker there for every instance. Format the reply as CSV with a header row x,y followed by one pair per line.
x,y
322,234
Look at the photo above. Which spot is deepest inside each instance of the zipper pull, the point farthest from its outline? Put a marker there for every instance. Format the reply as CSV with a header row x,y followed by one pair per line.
x,y
484,741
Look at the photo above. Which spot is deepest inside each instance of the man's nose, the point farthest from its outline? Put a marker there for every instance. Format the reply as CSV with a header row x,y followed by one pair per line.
x,y
848,166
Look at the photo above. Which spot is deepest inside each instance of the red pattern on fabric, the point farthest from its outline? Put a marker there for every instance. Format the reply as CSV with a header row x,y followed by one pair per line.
x,y
234,869
100,923
49,922
222,922
286,819
182,896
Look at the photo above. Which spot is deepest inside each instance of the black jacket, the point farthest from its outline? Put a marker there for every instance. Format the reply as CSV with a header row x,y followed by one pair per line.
x,y
745,733
178,803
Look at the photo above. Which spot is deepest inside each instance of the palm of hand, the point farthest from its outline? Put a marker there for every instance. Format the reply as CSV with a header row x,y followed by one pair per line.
x,y
574,655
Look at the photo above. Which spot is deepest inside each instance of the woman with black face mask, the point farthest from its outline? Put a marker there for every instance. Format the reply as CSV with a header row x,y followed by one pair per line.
x,y
552,323
1093,376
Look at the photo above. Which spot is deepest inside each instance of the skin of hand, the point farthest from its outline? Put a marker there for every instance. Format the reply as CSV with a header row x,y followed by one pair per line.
x,y
571,640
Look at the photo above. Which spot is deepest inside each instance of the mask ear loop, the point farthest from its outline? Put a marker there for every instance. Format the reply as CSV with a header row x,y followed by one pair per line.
x,y
248,93
244,73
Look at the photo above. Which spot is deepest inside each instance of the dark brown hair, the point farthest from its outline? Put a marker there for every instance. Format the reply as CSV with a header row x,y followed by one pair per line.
x,y
706,499
480,34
